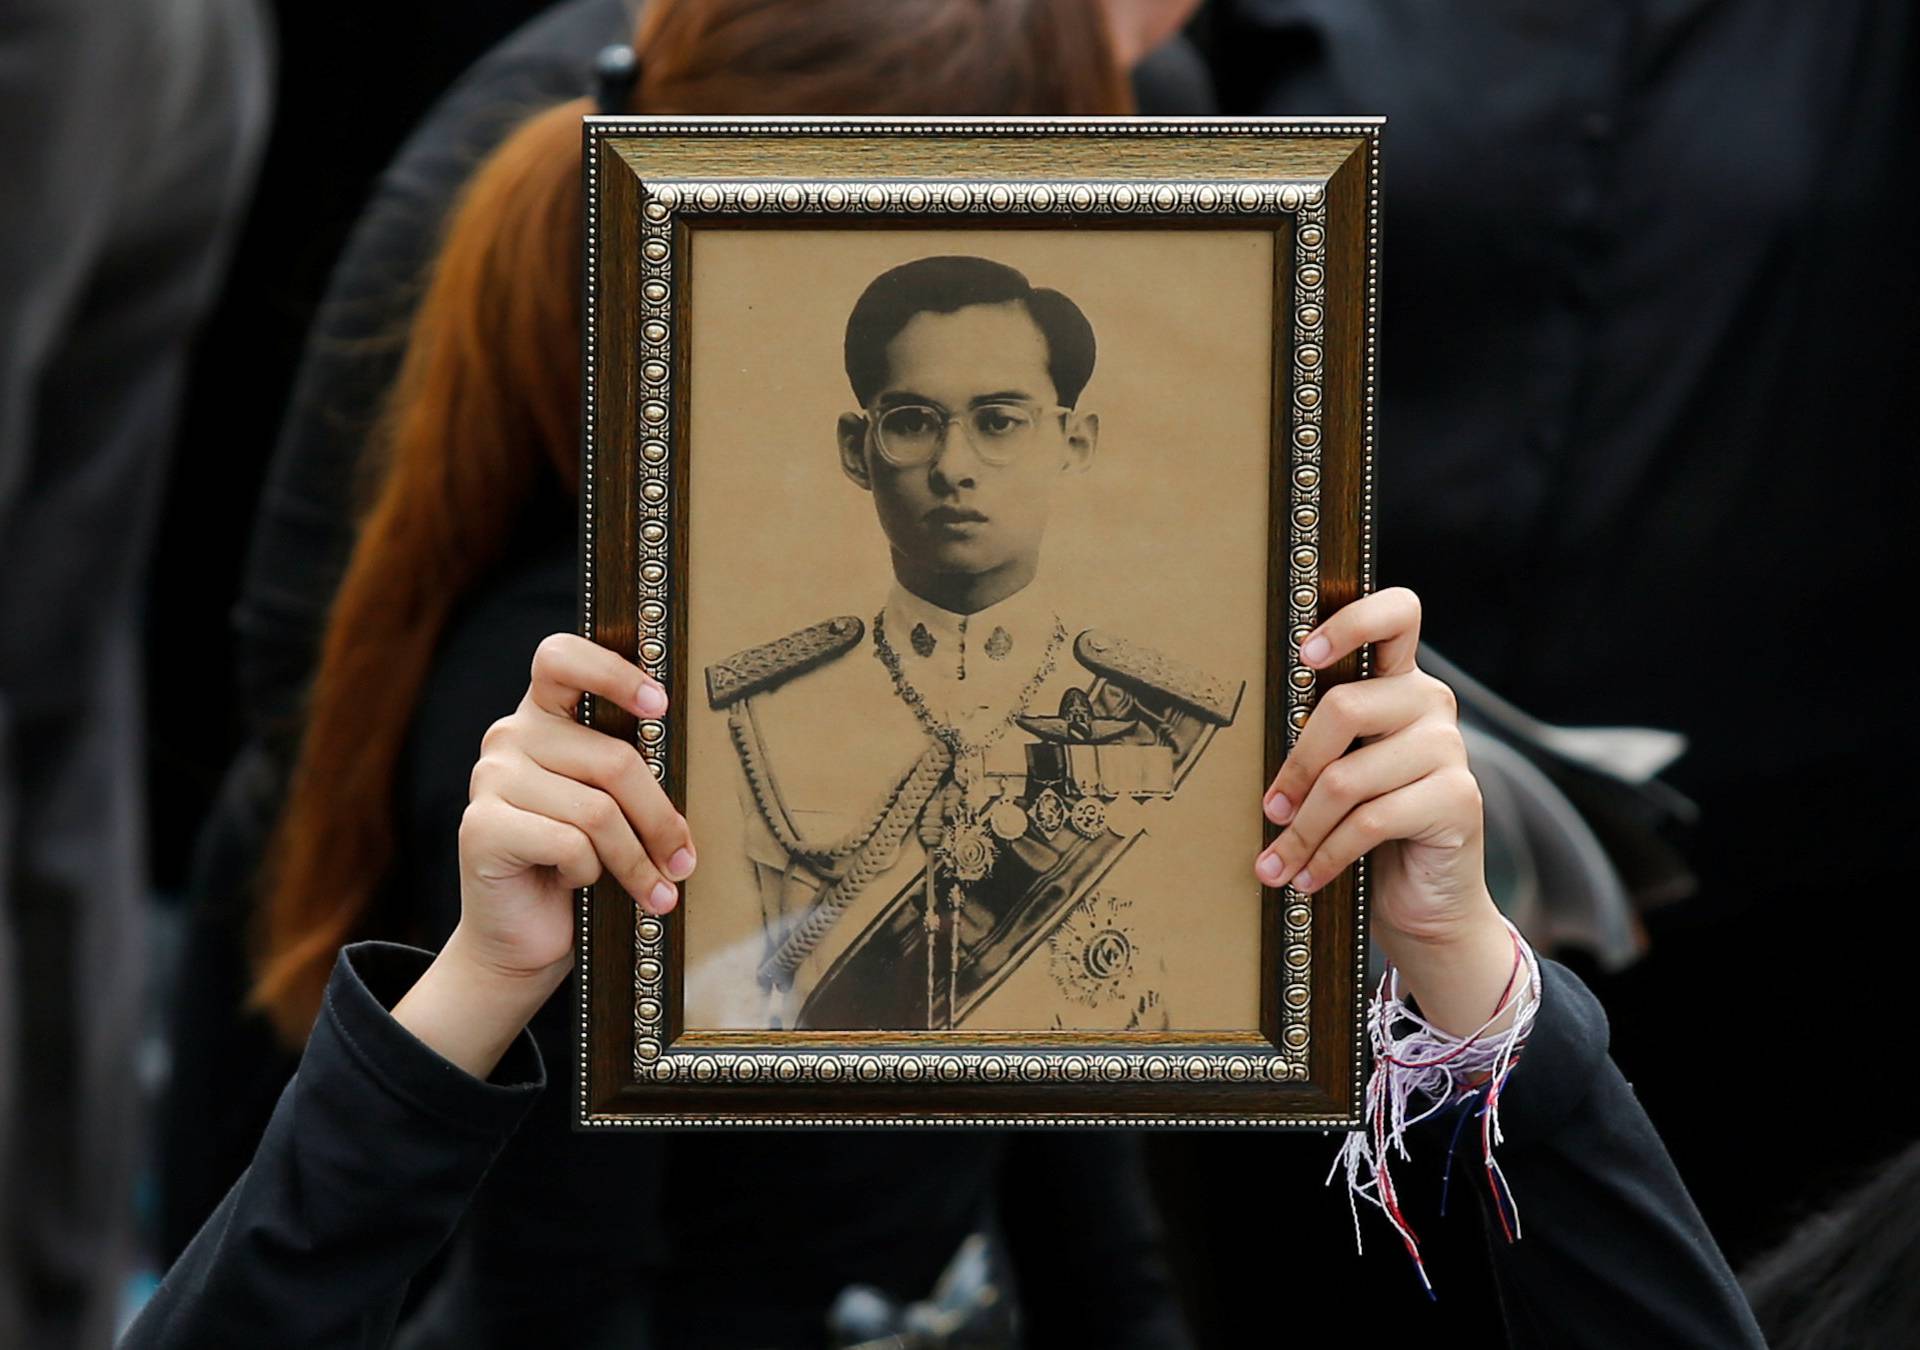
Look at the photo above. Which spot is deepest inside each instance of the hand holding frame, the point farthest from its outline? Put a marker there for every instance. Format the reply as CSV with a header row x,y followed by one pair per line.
x,y
1381,766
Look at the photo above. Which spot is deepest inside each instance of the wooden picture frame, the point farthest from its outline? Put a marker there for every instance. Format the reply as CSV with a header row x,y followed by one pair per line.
x,y
718,260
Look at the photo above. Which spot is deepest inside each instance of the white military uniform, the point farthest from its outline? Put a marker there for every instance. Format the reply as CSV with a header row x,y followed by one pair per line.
x,y
843,790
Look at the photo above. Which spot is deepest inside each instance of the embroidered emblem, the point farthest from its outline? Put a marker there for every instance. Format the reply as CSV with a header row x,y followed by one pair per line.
x,y
999,643
923,641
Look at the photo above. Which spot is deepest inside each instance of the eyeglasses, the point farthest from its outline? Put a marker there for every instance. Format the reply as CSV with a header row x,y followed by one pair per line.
x,y
908,433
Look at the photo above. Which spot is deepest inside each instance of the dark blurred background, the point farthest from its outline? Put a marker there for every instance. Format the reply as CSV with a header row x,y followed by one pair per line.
x,y
354,79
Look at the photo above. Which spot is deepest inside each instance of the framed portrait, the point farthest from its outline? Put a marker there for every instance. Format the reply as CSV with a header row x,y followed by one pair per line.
x,y
969,485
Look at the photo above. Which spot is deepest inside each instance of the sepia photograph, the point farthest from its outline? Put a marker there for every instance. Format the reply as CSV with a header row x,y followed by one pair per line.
x,y
972,490
967,589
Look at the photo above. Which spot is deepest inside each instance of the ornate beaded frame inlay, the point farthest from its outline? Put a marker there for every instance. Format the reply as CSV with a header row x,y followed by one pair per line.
x,y
1170,1064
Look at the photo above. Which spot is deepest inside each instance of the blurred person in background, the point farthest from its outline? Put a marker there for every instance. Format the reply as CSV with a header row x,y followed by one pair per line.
x,y
1649,334
129,134
1850,1275
322,156
1650,329
466,440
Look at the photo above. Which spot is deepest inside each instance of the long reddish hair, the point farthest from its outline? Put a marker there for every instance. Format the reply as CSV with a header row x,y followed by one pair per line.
x,y
484,416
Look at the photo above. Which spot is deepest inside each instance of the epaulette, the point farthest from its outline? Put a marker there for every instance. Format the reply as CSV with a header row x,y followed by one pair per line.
x,y
1140,666
771,663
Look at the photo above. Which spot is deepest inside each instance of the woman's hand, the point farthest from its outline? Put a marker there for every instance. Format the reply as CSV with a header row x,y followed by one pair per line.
x,y
1381,766
553,805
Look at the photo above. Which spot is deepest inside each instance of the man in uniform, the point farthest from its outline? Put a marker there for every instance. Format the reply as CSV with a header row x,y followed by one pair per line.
x,y
933,795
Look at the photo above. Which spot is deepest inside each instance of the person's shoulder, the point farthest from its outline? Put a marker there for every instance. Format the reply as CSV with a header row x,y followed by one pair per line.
x,y
1142,667
770,665
571,33
797,708
545,61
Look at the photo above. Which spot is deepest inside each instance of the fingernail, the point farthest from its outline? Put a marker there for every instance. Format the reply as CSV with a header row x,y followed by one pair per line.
x,y
1279,809
1303,882
1268,868
1315,650
680,864
651,701
661,899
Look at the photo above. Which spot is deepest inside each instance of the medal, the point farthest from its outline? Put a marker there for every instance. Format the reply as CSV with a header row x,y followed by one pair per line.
x,y
967,849
1049,812
1124,815
967,846
1006,819
1088,817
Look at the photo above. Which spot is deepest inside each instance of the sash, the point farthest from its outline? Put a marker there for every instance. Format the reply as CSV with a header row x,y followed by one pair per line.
x,y
913,970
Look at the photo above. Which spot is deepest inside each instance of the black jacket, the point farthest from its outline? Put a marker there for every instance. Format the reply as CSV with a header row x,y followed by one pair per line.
x,y
378,1148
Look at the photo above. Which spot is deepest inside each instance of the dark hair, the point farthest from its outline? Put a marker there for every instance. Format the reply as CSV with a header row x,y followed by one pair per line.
x,y
941,285
1850,1276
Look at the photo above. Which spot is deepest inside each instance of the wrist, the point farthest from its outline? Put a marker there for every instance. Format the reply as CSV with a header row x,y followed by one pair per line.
x,y
480,963
468,1009
1460,972
1461,920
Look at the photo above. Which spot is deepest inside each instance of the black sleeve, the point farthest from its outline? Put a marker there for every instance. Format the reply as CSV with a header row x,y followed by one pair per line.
x,y
1612,1250
1086,1243
370,1160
